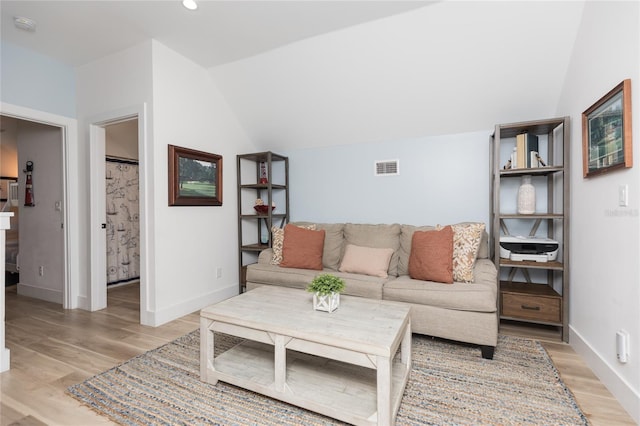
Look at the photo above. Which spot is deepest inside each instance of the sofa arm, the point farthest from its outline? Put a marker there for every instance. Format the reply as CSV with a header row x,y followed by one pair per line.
x,y
484,271
265,256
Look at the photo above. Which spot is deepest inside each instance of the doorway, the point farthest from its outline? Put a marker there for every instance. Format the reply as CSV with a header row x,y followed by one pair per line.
x,y
99,127
32,153
122,203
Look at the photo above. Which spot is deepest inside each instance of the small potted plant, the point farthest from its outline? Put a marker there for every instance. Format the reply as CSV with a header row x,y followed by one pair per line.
x,y
326,289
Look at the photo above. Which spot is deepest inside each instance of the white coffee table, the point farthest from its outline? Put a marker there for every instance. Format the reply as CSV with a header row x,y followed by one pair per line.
x,y
355,375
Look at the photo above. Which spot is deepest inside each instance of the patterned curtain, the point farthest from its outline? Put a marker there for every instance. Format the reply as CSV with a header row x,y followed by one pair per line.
x,y
123,229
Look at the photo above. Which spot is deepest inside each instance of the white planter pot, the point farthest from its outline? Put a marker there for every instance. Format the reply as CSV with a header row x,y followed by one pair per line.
x,y
327,303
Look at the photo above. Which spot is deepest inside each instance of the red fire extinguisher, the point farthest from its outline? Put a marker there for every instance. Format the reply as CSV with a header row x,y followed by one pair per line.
x,y
28,188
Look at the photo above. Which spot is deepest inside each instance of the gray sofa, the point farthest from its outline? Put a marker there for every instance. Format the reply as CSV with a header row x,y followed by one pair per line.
x,y
465,312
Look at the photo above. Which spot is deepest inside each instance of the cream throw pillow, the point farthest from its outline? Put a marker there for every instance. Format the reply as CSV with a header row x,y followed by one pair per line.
x,y
277,236
466,243
366,260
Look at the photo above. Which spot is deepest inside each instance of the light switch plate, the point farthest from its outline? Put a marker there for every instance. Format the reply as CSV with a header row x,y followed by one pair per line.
x,y
623,195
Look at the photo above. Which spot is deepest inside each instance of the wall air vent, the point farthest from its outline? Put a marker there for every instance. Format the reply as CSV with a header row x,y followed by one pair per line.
x,y
387,168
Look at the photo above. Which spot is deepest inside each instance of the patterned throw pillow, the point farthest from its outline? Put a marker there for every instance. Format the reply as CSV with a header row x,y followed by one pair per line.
x,y
466,242
277,236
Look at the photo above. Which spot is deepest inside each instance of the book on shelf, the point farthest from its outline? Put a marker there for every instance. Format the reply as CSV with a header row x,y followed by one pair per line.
x,y
526,150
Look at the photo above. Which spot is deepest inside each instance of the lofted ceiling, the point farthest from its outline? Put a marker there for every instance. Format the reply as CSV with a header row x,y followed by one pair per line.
x,y
218,32
316,73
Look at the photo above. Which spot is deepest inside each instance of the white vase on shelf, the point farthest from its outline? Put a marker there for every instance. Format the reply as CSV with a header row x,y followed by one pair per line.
x,y
526,196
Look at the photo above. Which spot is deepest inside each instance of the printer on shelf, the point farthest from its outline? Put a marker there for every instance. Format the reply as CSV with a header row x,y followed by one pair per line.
x,y
528,248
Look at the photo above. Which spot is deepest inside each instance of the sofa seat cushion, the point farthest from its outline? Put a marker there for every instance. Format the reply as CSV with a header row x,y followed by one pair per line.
x,y
479,296
355,284
265,273
362,285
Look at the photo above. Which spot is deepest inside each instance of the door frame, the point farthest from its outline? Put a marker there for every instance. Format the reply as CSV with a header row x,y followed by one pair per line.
x,y
70,217
97,235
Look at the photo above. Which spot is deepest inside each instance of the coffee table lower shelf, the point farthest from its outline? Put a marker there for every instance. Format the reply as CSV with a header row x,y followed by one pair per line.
x,y
337,389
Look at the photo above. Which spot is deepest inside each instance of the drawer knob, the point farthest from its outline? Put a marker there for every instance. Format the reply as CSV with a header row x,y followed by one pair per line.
x,y
531,308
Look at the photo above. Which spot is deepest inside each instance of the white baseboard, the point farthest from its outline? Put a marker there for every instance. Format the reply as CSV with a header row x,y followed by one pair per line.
x,y
82,302
47,294
163,316
618,386
5,356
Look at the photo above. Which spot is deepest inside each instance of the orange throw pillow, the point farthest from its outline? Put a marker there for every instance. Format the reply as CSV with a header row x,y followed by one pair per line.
x,y
431,257
302,248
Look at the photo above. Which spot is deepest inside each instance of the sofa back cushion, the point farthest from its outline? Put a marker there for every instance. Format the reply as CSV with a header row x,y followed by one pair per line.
x,y
366,260
333,242
406,238
405,245
376,236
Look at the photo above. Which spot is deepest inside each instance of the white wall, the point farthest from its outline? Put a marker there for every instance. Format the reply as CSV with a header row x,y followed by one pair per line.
x,y
605,238
447,68
36,81
442,180
41,236
193,242
8,148
105,88
185,245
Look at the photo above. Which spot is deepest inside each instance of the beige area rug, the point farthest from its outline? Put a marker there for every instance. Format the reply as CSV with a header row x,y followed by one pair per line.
x,y
450,384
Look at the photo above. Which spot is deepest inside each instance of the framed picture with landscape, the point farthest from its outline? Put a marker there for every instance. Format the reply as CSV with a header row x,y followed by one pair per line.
x,y
606,132
195,177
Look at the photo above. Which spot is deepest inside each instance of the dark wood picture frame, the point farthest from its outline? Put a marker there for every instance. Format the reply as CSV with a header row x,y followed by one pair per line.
x,y
195,177
606,132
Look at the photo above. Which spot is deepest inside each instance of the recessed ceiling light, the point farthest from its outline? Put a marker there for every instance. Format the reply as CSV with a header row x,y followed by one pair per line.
x,y
190,4
24,23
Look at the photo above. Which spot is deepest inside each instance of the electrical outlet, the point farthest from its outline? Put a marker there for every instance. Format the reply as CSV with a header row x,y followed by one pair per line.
x,y
622,346
219,272
41,271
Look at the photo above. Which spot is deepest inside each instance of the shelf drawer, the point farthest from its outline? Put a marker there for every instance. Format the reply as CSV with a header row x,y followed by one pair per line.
x,y
532,307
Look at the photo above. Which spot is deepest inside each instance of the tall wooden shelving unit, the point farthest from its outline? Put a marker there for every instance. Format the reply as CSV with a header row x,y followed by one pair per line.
x,y
529,291
253,227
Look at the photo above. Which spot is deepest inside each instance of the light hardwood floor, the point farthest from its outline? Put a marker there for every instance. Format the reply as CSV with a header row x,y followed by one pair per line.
x,y
52,348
